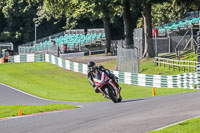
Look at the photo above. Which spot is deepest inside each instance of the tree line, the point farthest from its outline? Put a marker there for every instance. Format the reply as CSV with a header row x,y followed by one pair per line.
x,y
118,17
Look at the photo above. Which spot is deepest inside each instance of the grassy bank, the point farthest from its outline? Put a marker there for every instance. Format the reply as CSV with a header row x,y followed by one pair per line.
x,y
49,81
189,126
13,110
147,65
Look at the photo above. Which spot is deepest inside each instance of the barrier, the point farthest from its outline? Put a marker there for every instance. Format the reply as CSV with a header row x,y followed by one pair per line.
x,y
27,58
185,80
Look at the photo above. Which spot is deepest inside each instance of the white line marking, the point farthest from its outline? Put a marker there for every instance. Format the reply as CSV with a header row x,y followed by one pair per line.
x,y
175,123
29,115
34,95
25,92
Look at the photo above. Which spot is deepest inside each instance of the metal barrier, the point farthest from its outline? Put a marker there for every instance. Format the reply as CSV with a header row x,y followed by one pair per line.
x,y
179,40
54,50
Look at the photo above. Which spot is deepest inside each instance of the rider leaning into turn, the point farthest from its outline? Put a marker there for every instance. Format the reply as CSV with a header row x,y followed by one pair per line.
x,y
101,74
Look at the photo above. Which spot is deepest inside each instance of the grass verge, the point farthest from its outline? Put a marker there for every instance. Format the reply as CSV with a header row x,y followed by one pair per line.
x,y
189,126
51,82
12,110
147,65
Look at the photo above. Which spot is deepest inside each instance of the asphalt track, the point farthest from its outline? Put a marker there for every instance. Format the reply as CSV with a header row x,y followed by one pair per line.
x,y
130,116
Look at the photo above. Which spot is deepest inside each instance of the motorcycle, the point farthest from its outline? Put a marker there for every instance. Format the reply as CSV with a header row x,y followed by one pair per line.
x,y
109,90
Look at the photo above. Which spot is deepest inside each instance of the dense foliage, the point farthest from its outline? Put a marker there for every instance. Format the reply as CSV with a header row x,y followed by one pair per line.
x,y
118,17
165,12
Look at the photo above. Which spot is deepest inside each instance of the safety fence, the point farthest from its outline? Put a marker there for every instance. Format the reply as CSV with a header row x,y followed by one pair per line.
x,y
67,64
186,80
180,65
27,58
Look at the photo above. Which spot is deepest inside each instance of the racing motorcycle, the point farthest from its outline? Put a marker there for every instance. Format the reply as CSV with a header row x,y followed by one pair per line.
x,y
109,90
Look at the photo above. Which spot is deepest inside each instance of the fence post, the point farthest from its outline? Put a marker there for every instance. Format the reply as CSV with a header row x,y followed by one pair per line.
x,y
164,63
155,61
170,45
178,66
168,65
189,66
184,66
195,66
160,62
173,65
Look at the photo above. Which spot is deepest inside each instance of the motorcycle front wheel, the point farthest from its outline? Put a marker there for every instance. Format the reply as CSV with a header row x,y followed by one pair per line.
x,y
119,99
111,93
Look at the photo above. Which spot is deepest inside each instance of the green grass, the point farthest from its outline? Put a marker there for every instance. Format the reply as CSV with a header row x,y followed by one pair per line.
x,y
189,126
47,80
13,110
147,65
51,82
109,64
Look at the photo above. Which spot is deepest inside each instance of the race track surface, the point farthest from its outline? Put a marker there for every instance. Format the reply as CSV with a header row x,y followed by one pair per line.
x,y
130,116
97,59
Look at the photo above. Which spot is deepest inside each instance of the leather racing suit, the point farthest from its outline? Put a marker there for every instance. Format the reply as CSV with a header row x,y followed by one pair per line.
x,y
102,75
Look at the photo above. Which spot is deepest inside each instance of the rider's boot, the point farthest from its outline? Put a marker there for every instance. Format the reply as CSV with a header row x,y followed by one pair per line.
x,y
118,87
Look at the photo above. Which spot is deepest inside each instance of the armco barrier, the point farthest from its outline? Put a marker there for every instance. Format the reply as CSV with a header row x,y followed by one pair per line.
x,y
186,80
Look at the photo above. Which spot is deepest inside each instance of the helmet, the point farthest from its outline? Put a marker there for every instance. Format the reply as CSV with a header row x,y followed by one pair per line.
x,y
91,65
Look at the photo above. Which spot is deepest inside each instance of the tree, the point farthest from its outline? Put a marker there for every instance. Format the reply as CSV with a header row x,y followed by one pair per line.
x,y
166,12
128,26
17,17
189,5
105,11
73,10
2,18
146,22
146,8
148,48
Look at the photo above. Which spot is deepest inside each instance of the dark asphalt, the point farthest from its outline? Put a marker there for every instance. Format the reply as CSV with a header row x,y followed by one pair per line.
x,y
86,59
130,116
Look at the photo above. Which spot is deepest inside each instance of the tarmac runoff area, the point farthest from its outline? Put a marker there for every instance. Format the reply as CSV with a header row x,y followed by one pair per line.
x,y
86,59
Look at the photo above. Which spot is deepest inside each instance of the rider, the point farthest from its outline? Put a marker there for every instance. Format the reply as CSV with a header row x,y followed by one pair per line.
x,y
100,73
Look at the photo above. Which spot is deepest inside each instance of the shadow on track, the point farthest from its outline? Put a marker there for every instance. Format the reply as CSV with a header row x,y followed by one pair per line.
x,y
131,100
